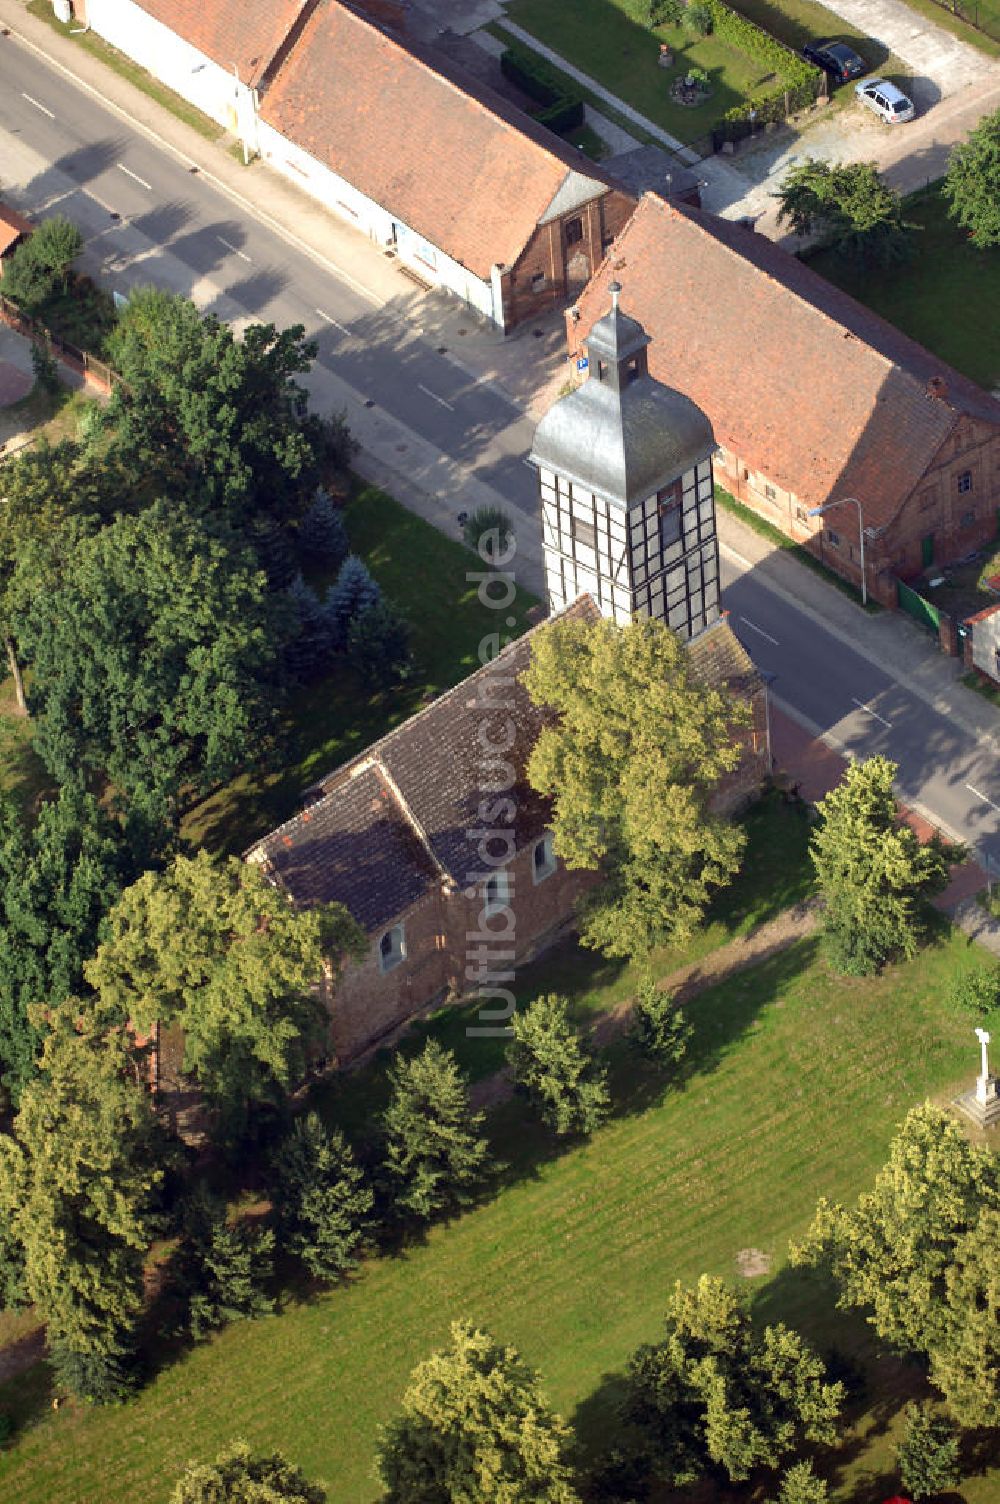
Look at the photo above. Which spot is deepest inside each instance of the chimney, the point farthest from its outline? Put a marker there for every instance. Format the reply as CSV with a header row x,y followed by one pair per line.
x,y
937,387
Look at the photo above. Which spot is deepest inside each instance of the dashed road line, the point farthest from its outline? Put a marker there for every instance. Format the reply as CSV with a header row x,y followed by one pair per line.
x,y
435,396
760,631
135,176
234,248
869,711
44,109
331,320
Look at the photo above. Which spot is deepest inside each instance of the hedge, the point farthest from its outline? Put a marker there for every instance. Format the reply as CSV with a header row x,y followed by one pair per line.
x,y
533,75
798,83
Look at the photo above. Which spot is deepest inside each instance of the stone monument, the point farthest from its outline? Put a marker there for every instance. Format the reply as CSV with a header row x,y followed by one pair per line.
x,y
983,1104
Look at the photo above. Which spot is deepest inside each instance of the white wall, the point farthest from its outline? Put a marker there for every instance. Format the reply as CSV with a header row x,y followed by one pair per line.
x,y
346,201
175,62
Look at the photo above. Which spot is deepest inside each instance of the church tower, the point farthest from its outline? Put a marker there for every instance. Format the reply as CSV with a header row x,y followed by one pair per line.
x,y
625,473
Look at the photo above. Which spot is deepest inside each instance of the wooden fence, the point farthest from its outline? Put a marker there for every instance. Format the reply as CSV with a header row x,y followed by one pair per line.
x,y
95,372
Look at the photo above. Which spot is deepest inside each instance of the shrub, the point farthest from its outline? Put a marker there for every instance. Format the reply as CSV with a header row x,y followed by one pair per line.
x,y
337,446
378,644
699,19
322,535
665,12
532,74
659,1030
798,82
489,532
45,368
978,992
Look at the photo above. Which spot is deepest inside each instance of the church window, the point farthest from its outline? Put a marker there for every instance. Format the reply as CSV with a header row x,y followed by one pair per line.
x,y
669,509
543,858
584,532
538,282
496,893
574,231
965,481
392,948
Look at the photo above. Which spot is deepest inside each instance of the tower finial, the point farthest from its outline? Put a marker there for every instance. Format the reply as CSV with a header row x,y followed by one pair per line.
x,y
615,291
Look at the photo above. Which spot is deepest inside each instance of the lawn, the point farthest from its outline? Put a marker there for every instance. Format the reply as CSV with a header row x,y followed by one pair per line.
x,y
943,296
424,573
797,1084
609,41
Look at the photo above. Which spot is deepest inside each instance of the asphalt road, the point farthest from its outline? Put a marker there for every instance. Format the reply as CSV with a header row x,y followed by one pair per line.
x,y
147,217
844,696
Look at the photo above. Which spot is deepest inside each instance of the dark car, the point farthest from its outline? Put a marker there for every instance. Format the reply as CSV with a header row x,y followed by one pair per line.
x,y
836,58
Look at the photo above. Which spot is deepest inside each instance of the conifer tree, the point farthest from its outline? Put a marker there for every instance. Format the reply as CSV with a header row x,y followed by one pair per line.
x,y
323,533
352,593
239,1476
435,1155
927,1455
554,1071
223,1267
324,1206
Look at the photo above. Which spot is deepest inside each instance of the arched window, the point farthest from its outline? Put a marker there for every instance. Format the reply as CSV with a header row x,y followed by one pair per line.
x,y
543,859
392,948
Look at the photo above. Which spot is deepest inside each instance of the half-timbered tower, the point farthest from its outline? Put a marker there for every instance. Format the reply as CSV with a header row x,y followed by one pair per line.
x,y
625,474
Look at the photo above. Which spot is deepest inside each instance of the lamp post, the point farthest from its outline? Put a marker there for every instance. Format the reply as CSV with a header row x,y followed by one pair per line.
x,y
768,681
818,512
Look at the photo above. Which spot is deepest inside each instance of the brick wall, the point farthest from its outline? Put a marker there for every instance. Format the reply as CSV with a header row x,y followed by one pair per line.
x,y
369,1004
551,269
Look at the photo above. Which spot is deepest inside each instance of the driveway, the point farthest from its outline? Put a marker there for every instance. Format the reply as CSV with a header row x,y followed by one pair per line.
x,y
941,64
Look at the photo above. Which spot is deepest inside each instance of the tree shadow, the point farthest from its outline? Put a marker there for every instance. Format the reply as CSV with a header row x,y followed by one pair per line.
x,y
27,1397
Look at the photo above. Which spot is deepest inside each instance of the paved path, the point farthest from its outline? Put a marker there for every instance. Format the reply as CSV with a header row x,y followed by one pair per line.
x,y
933,53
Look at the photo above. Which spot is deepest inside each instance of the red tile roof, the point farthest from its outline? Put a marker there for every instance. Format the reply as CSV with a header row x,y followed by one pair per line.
x,y
449,158
800,381
246,33
12,226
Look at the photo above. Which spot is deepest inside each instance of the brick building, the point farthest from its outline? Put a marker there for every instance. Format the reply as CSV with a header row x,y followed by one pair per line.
x,y
812,397
464,188
437,844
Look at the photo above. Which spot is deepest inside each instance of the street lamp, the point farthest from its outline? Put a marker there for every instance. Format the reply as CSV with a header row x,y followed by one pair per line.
x,y
818,512
768,681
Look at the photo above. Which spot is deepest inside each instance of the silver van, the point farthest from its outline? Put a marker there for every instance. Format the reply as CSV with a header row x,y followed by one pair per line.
x,y
888,102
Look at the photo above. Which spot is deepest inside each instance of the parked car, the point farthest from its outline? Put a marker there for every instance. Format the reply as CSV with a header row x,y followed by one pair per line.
x,y
888,102
841,62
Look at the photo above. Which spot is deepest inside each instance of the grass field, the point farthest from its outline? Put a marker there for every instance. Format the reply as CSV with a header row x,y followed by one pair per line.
x,y
797,1083
424,574
941,296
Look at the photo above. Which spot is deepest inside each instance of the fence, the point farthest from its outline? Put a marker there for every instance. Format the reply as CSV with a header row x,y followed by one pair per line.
x,y
95,371
984,15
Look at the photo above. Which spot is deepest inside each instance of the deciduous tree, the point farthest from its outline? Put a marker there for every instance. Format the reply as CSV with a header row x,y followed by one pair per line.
x,y
634,756
972,183
219,950
152,652
918,1255
875,875
850,208
553,1069
716,1391
57,882
435,1155
323,1205
239,1476
475,1426
221,419
77,1180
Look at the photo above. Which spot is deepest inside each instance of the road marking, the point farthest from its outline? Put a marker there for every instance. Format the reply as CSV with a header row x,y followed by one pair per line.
x,y
331,320
983,798
359,287
862,706
435,396
234,248
130,174
760,631
37,105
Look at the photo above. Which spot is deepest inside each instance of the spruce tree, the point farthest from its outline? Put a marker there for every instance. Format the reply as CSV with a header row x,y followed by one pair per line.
x,y
435,1157
800,1485
223,1267
323,533
927,1455
239,1476
77,1180
378,644
659,1031
353,592
323,1205
553,1070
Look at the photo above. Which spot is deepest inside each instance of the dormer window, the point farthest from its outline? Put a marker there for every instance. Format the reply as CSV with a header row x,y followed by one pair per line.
x,y
633,370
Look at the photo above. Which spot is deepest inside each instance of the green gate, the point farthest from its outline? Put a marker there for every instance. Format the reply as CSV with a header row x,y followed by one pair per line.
x,y
922,611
